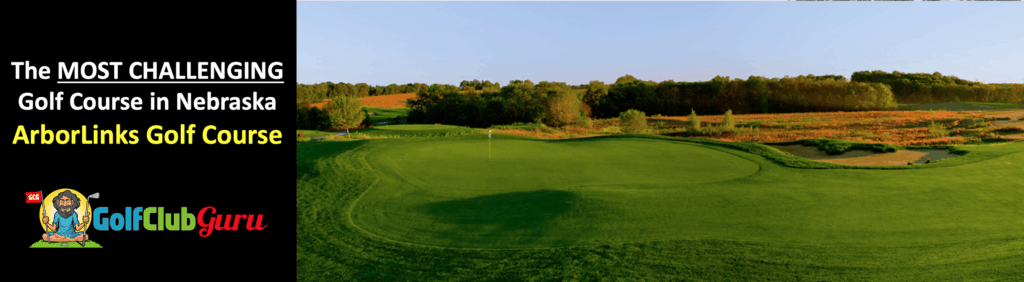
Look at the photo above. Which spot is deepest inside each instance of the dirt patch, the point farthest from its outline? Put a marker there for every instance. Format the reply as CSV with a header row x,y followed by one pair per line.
x,y
383,101
387,101
867,158
1017,115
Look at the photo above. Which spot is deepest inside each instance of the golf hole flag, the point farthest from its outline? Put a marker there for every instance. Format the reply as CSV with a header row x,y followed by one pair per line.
x,y
34,197
488,133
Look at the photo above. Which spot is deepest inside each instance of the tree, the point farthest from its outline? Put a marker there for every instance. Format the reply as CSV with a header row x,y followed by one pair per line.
x,y
563,104
595,91
362,89
633,121
694,120
625,79
346,111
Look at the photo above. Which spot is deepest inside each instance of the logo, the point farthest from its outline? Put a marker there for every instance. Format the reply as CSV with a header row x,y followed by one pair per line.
x,y
64,216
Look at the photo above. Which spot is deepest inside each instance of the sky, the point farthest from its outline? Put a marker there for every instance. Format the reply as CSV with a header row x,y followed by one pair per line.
x,y
380,43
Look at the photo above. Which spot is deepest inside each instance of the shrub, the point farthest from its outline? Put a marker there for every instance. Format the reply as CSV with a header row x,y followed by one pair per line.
x,y
694,120
937,130
727,121
633,121
585,122
367,122
416,116
311,118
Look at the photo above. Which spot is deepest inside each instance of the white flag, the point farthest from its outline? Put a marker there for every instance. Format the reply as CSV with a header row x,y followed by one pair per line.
x,y
488,133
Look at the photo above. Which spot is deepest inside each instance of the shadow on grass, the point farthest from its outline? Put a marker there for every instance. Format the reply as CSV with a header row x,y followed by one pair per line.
x,y
511,219
310,151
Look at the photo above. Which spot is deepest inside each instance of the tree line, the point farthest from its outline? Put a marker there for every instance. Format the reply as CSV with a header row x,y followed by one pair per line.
x,y
315,93
935,87
808,93
552,103
556,103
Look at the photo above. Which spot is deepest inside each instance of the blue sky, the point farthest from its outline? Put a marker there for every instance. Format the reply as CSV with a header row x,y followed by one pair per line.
x,y
575,42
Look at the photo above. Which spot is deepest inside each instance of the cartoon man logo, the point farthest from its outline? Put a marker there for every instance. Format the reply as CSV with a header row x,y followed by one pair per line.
x,y
65,217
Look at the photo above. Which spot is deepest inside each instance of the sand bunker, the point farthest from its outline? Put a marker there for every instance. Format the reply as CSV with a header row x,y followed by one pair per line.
x,y
867,158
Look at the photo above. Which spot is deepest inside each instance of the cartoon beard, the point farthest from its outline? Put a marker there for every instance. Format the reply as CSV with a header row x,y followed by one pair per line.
x,y
68,213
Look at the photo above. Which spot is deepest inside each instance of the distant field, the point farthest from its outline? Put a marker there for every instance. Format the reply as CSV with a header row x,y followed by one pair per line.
x,y
957,106
997,105
387,101
394,131
386,114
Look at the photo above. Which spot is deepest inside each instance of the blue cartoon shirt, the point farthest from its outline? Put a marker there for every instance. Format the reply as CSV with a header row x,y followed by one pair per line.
x,y
66,225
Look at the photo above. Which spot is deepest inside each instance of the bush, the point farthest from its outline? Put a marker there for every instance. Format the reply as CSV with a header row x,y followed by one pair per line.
x,y
367,122
633,121
312,118
694,120
727,121
562,107
416,116
937,130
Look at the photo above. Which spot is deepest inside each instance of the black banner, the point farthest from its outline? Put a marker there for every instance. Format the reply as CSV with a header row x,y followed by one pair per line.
x,y
246,173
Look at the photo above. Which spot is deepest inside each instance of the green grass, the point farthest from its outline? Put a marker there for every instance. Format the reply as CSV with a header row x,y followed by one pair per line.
x,y
44,244
314,133
421,130
997,105
518,126
403,130
387,114
958,106
650,208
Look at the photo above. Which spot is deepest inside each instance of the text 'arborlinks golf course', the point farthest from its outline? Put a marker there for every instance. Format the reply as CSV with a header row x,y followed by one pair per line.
x,y
689,207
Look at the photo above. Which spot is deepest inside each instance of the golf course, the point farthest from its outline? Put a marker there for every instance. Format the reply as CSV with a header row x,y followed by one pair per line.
x,y
646,207
659,141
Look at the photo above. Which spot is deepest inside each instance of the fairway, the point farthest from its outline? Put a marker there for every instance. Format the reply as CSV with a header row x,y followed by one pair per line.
x,y
716,212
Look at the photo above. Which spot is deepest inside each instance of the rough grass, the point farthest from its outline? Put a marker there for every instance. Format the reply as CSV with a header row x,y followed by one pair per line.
x,y
954,220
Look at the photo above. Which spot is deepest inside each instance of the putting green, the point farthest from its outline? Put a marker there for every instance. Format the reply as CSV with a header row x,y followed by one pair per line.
x,y
535,194
527,189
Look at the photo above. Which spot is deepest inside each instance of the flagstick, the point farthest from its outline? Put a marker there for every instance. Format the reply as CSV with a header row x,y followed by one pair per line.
x,y
488,148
